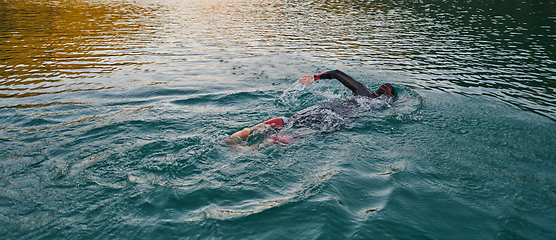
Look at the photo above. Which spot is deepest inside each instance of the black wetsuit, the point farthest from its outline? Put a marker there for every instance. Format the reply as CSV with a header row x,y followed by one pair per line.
x,y
356,87
332,117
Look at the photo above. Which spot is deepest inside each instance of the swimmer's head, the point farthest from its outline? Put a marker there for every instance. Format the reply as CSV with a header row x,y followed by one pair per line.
x,y
385,88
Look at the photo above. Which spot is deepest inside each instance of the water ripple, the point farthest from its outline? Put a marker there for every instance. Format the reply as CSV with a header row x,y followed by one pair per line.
x,y
112,116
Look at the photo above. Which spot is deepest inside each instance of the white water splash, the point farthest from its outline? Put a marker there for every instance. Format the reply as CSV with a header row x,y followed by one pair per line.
x,y
299,94
290,97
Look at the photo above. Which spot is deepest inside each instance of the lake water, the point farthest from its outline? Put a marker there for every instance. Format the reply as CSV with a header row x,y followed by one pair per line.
x,y
112,116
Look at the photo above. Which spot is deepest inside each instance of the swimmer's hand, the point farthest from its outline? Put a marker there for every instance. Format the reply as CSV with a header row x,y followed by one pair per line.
x,y
243,134
237,137
307,80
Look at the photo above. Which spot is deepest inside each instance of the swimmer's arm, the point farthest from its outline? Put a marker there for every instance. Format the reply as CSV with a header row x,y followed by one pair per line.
x,y
310,79
307,80
356,87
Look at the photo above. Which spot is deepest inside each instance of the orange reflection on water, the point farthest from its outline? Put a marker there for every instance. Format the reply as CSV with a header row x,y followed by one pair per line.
x,y
46,44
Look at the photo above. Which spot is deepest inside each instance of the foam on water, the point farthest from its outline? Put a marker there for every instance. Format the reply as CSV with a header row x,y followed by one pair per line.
x,y
113,114
291,97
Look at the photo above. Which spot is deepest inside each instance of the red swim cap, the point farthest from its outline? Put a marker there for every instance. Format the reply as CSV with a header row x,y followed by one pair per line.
x,y
385,88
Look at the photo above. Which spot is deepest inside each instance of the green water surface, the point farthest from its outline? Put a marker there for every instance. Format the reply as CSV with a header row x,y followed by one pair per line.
x,y
112,116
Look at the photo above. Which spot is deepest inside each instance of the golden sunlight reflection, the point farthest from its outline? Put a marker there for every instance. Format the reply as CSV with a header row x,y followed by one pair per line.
x,y
45,44
268,26
67,46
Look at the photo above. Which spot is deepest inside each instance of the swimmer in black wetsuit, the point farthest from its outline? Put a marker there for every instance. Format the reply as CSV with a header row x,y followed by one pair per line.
x,y
322,118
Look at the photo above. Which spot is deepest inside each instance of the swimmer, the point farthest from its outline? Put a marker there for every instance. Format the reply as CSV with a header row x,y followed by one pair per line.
x,y
318,118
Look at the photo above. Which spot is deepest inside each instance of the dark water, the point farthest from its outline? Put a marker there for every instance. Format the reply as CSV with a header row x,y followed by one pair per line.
x,y
112,116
